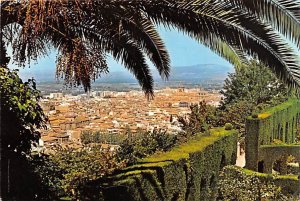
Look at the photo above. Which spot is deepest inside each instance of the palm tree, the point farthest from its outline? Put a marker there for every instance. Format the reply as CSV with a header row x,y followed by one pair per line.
x,y
85,31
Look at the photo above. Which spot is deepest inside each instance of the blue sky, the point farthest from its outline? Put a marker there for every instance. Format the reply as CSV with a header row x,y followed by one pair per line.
x,y
183,51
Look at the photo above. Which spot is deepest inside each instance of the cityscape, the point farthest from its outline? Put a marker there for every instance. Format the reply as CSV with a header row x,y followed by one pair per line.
x,y
113,112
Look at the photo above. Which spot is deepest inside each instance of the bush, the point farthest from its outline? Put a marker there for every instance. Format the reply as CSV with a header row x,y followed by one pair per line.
x,y
228,126
201,119
21,112
67,171
145,144
235,184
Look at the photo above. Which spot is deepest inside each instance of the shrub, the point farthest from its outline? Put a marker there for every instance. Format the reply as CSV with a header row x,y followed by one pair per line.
x,y
144,144
21,112
235,184
228,126
67,171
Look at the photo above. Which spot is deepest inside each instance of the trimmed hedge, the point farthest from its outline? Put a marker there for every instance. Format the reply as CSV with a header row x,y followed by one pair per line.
x,y
262,184
270,153
276,123
288,183
187,172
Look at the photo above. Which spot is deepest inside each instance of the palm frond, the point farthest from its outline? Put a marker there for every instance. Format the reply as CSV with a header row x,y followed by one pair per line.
x,y
128,52
283,15
133,59
143,32
234,27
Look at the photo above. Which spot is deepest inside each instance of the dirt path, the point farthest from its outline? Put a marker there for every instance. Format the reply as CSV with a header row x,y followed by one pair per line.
x,y
241,159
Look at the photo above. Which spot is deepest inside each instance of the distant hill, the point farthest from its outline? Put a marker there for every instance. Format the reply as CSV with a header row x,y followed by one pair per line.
x,y
195,73
200,72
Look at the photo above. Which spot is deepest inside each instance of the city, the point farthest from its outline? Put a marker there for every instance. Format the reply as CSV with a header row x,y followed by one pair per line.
x,y
113,112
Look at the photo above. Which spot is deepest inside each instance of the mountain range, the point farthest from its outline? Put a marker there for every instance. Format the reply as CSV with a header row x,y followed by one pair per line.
x,y
195,73
200,72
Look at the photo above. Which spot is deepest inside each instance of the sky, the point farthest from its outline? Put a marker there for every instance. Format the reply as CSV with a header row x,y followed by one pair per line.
x,y
183,50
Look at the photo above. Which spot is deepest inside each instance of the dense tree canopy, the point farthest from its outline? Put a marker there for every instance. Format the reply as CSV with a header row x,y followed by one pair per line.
x,y
200,119
254,83
69,170
249,90
85,31
21,113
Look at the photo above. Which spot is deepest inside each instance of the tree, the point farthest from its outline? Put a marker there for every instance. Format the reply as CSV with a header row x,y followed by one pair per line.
x,y
84,32
20,117
201,119
68,171
250,89
21,114
254,83
86,137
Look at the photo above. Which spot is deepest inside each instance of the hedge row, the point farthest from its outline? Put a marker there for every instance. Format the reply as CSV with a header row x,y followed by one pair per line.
x,y
279,123
250,185
187,172
289,184
270,153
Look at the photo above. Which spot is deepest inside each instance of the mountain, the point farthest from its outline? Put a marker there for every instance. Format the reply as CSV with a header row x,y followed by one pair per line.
x,y
195,73
200,72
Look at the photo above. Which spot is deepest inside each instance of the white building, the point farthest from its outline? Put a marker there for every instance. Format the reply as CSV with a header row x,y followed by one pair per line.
x,y
56,95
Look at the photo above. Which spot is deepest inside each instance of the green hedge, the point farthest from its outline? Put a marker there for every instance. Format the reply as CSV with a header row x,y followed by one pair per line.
x,y
187,172
245,184
279,123
270,153
288,183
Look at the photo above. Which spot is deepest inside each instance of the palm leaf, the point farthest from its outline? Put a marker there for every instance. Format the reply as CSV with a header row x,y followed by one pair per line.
x,y
284,15
234,29
255,38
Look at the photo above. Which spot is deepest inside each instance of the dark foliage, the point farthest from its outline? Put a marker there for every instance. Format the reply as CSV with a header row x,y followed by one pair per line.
x,y
144,144
21,113
200,120
251,89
